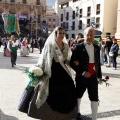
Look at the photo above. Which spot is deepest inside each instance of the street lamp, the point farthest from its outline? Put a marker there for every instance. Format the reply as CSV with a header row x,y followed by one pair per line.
x,y
36,24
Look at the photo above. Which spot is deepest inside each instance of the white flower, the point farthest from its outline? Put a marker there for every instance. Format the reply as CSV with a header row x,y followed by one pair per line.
x,y
36,70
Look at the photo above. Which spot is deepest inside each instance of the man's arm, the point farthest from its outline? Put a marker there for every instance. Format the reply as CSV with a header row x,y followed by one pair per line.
x,y
8,46
74,58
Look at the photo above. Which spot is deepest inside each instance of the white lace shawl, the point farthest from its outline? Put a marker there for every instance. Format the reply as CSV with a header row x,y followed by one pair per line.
x,y
45,62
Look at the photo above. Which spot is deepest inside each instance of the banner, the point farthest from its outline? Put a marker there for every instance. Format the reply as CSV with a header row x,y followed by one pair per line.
x,y
16,26
5,19
11,23
44,31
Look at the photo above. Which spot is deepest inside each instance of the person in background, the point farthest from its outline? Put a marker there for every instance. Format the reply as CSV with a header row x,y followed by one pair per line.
x,y
79,39
32,44
24,47
107,47
0,41
114,50
6,51
40,43
102,51
12,47
85,61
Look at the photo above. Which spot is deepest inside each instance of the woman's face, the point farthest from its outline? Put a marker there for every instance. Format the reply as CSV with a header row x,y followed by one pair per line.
x,y
60,35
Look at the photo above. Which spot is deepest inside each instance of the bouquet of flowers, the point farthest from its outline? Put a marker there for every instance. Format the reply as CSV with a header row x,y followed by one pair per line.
x,y
34,74
105,80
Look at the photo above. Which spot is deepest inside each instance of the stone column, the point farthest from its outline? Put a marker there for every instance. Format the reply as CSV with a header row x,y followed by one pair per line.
x,y
117,34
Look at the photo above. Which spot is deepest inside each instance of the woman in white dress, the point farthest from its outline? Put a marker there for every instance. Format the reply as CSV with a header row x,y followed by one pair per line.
x,y
24,47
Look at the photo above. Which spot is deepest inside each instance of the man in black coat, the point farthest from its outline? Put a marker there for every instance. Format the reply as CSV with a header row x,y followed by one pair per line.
x,y
85,61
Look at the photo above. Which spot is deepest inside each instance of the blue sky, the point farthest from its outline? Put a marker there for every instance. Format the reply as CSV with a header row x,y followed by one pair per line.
x,y
50,2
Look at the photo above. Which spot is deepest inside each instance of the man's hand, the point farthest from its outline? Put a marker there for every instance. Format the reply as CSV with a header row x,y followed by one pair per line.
x,y
76,62
87,75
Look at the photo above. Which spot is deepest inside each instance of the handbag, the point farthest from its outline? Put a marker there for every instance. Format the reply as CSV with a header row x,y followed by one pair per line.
x,y
111,54
33,111
25,100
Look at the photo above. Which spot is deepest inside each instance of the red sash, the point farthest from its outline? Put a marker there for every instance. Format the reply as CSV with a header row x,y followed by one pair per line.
x,y
90,68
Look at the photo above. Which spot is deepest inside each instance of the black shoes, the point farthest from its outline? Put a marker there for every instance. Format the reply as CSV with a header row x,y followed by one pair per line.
x,y
79,117
14,63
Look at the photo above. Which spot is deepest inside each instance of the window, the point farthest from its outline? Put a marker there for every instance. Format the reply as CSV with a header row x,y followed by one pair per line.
x,y
75,0
61,24
24,1
54,20
67,16
12,0
80,24
49,19
97,22
81,12
73,16
61,17
98,9
88,11
64,25
38,20
73,25
49,26
65,5
38,2
88,22
73,36
67,36
53,26
67,25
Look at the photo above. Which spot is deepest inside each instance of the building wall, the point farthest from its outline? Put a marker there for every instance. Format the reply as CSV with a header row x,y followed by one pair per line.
x,y
52,19
108,15
117,34
30,9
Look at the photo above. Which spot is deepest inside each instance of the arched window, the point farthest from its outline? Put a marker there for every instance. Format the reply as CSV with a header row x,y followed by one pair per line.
x,y
38,2
24,1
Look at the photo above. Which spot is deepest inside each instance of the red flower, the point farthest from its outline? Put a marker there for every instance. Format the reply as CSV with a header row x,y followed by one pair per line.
x,y
107,77
105,80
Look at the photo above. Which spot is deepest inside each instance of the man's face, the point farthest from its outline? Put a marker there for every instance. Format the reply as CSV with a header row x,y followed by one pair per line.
x,y
13,37
89,36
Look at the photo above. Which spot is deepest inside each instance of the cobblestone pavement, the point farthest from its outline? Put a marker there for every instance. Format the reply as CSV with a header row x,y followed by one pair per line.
x,y
13,82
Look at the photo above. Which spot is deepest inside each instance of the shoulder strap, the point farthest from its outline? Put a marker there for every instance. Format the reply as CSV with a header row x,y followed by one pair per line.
x,y
60,58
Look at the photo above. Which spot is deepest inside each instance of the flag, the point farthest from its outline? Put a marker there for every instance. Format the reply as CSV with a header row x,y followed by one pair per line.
x,y
44,30
16,26
11,23
5,19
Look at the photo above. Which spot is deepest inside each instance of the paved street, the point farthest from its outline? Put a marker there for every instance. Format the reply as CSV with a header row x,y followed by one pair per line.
x,y
13,82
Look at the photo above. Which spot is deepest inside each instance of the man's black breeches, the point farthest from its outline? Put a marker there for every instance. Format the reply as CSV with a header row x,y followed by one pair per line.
x,y
13,57
91,84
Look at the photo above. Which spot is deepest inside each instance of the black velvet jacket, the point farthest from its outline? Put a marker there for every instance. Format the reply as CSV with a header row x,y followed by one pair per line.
x,y
80,54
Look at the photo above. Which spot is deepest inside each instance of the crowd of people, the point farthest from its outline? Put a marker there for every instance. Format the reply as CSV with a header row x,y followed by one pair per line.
x,y
25,45
108,49
62,96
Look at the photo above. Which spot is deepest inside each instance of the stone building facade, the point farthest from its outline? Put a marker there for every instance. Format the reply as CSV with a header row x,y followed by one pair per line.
x,y
76,15
30,13
52,19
